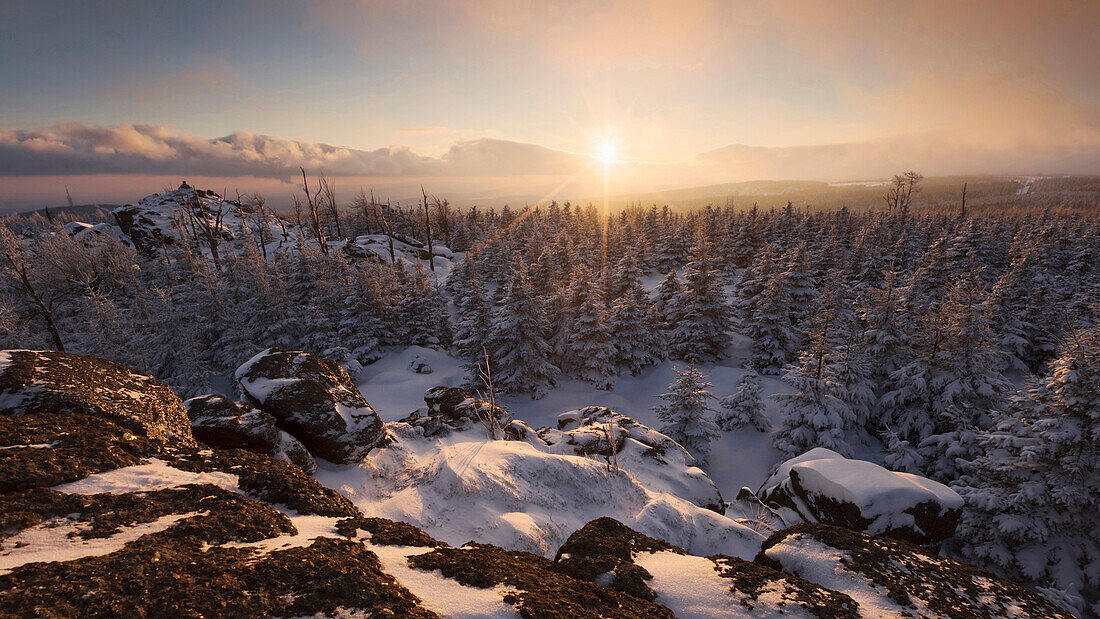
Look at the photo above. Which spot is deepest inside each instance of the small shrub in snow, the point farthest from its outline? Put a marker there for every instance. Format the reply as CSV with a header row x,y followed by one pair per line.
x,y
420,365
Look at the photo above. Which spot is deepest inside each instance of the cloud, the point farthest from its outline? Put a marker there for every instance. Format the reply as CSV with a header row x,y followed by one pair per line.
x,y
81,148
35,163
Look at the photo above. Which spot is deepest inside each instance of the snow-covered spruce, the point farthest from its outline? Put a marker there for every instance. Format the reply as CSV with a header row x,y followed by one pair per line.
x,y
1034,490
688,417
518,352
745,406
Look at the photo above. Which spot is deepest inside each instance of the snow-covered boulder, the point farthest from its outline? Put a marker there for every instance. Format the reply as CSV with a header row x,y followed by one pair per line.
x,y
445,400
599,431
315,400
823,486
892,578
221,423
90,234
47,382
452,408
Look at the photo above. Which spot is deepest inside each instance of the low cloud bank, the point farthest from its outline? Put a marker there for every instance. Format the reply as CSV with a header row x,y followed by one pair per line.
x,y
81,148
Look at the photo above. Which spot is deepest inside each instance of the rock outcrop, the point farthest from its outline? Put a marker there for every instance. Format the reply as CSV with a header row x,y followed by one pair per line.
x,y
93,234
823,486
107,508
315,401
805,571
891,577
221,423
47,382
156,219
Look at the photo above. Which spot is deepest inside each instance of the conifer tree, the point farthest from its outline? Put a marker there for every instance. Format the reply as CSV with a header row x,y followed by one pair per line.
x,y
774,340
1033,492
423,312
665,298
518,351
474,326
968,387
801,292
745,406
688,417
813,415
751,284
849,368
590,341
701,330
635,325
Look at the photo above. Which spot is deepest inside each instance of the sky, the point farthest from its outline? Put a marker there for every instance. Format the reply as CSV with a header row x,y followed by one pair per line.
x,y
514,100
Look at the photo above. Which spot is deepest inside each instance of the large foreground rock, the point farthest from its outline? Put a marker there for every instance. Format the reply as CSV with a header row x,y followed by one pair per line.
x,y
99,521
315,400
221,423
806,571
47,382
823,486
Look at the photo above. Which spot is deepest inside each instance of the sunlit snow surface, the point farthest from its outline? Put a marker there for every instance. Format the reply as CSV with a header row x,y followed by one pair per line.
x,y
519,495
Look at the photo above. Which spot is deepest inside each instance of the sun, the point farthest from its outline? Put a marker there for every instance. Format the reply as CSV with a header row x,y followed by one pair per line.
x,y
606,152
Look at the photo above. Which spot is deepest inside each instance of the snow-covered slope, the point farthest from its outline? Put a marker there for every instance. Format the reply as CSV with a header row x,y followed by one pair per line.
x,y
518,495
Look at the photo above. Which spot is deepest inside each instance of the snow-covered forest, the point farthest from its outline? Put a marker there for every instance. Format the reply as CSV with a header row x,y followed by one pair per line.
x,y
960,346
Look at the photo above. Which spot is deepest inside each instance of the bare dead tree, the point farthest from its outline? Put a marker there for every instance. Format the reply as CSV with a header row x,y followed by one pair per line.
x,y
370,209
962,212
44,299
443,215
489,417
612,458
297,211
374,213
328,193
263,232
387,227
315,216
428,229
207,224
900,195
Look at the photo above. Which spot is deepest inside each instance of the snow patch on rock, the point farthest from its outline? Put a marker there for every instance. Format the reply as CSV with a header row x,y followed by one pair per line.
x,y
149,477
57,540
